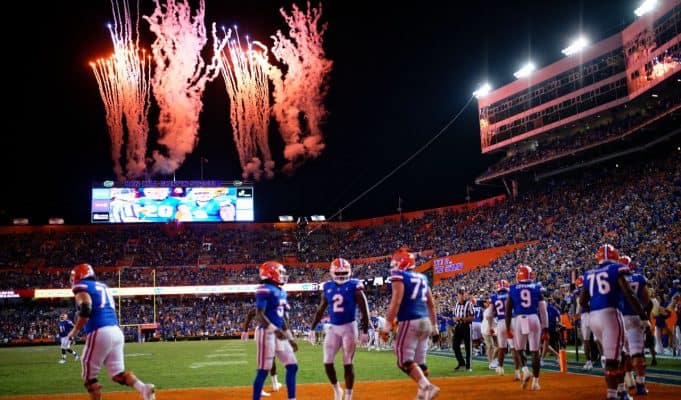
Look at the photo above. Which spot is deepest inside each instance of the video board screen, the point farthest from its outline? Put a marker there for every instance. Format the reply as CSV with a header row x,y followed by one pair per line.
x,y
175,202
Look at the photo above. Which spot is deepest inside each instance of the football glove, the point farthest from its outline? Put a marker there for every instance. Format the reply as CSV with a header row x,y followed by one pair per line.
x,y
363,339
385,335
491,332
545,334
509,334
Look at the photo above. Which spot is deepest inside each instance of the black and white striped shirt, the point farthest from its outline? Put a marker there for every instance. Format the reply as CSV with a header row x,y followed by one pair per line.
x,y
463,310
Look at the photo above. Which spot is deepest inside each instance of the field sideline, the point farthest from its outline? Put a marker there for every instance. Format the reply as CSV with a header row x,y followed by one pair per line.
x,y
226,363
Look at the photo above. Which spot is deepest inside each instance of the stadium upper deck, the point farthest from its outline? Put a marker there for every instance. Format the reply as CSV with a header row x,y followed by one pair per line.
x,y
610,73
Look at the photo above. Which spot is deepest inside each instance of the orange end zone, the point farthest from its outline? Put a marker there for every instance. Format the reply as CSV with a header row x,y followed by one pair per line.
x,y
554,386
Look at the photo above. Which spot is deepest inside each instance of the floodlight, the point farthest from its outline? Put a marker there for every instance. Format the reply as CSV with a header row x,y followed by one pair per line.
x,y
318,218
645,7
576,46
483,90
56,221
286,218
525,71
20,221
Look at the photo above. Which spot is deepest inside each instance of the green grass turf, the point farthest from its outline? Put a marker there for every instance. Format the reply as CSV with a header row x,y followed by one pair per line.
x,y
215,363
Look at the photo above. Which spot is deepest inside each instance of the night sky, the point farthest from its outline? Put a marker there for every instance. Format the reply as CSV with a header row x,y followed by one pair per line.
x,y
399,75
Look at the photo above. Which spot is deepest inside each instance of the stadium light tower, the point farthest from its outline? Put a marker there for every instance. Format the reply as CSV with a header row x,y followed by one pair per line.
x,y
645,7
525,71
483,90
577,45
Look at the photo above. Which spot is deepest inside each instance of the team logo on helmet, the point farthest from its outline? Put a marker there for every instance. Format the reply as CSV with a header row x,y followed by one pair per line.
x,y
80,272
502,285
274,271
607,252
579,282
340,270
524,273
626,261
402,260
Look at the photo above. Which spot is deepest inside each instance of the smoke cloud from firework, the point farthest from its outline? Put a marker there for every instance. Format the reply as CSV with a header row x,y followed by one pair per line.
x,y
299,96
123,81
245,75
179,78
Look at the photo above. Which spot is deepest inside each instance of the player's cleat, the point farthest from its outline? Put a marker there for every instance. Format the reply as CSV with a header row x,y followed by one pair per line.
x,y
641,389
526,378
535,384
430,392
494,364
62,361
264,394
148,392
276,386
500,371
337,393
629,380
624,396
76,357
516,377
588,366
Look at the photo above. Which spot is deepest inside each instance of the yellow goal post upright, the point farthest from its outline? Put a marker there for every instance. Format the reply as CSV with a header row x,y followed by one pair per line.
x,y
139,326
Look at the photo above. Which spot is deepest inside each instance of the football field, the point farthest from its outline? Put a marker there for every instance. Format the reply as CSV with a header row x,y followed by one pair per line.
x,y
224,369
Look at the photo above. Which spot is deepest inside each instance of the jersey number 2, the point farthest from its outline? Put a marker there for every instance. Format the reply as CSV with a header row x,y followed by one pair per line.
x,y
338,303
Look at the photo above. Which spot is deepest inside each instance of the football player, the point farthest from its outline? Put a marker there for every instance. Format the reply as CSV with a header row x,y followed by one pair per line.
x,y
272,336
524,301
373,332
104,343
65,326
603,287
497,308
412,304
157,205
341,296
487,330
634,327
584,327
200,205
476,326
273,372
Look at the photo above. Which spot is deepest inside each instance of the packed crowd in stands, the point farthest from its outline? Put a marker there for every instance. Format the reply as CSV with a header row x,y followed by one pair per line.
x,y
588,136
637,209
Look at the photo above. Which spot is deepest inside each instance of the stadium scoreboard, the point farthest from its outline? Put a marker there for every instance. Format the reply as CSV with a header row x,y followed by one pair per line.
x,y
171,201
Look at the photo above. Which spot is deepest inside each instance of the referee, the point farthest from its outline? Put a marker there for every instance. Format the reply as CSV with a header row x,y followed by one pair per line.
x,y
463,316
